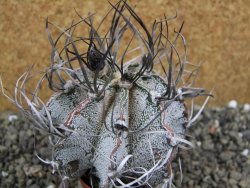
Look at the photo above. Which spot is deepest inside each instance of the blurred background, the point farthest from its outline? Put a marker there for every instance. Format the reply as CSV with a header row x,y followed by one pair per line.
x,y
217,34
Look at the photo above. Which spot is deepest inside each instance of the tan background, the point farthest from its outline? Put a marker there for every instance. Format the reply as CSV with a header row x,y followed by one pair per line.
x,y
217,33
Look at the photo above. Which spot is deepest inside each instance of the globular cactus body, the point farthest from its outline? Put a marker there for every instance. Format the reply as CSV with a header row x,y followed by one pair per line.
x,y
108,130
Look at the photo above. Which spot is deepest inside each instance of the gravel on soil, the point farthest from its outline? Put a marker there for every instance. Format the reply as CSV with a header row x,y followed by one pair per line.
x,y
221,157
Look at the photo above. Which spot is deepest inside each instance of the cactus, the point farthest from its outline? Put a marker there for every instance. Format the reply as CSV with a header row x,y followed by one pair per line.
x,y
113,119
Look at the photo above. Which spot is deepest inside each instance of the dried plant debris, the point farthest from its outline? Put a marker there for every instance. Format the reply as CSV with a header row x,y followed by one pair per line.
x,y
113,120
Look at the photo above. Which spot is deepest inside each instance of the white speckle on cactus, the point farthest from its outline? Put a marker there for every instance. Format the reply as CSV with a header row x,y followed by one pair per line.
x,y
179,91
68,86
154,95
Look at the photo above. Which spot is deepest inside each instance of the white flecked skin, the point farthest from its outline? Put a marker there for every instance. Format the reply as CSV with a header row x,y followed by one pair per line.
x,y
93,144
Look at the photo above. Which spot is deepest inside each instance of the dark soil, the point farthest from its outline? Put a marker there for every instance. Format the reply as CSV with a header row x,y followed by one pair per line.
x,y
221,157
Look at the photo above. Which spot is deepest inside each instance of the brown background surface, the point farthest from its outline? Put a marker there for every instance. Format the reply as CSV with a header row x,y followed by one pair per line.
x,y
217,33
